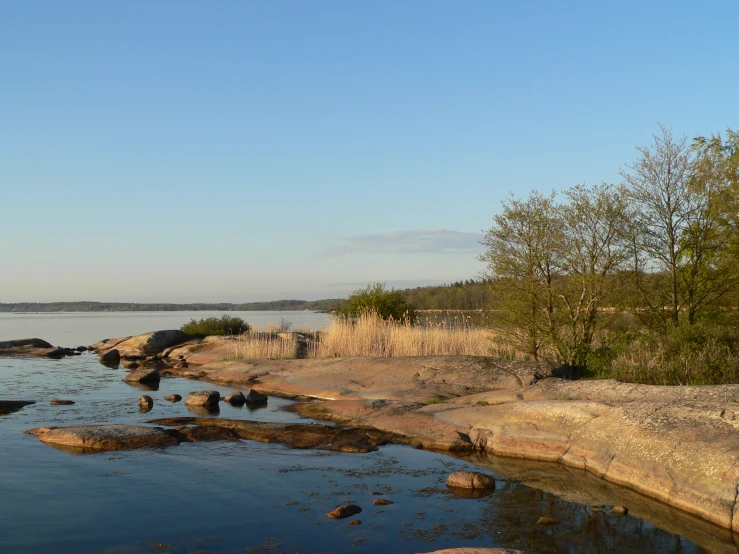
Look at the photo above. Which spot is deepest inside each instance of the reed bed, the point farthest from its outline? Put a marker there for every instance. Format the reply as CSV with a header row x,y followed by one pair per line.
x,y
370,335
260,344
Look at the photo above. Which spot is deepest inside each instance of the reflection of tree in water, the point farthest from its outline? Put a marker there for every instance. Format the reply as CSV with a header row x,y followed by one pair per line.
x,y
510,517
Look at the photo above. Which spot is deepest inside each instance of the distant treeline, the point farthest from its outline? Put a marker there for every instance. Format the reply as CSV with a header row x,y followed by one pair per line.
x,y
462,295
277,305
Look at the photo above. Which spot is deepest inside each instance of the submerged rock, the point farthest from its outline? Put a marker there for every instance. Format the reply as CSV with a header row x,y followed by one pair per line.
x,y
173,398
382,502
9,406
296,435
203,398
548,520
61,402
345,511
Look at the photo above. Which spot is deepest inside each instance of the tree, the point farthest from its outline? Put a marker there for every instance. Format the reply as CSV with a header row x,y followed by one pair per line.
x,y
388,304
554,266
684,241
658,185
522,249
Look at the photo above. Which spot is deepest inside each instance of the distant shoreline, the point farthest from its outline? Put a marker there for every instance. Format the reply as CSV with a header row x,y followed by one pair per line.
x,y
105,307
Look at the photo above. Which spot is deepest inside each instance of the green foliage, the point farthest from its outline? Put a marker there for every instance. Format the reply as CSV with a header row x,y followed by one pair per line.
x,y
388,304
225,325
697,354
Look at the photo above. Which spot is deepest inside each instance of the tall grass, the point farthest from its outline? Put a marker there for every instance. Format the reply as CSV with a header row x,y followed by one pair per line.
x,y
260,344
370,335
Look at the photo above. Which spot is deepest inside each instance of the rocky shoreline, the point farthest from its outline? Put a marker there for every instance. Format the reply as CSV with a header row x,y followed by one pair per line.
x,y
677,445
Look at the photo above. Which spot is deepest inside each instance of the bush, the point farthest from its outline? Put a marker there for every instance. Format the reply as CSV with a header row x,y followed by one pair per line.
x,y
225,325
683,355
388,304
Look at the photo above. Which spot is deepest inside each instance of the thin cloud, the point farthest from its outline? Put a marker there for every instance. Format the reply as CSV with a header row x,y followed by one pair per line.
x,y
416,241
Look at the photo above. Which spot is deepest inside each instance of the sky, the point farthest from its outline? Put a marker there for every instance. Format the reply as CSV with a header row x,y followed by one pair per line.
x,y
181,151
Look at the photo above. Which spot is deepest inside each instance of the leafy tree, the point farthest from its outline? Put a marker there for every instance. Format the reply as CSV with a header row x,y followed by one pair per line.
x,y
554,265
388,304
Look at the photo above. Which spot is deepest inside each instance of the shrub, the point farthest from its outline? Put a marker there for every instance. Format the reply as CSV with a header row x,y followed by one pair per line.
x,y
388,304
226,325
683,355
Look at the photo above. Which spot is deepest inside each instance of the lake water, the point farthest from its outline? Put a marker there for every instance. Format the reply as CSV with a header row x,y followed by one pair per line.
x,y
254,497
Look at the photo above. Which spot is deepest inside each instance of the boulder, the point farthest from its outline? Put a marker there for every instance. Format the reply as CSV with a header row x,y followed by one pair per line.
x,y
382,502
236,398
470,480
345,511
173,398
34,347
150,375
203,398
112,356
620,510
146,402
105,437
548,520
255,397
131,365
150,344
61,402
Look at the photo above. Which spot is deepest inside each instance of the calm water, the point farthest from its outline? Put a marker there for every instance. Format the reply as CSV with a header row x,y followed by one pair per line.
x,y
253,497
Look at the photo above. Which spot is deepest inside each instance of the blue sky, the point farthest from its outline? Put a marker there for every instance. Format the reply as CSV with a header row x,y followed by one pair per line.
x,y
241,151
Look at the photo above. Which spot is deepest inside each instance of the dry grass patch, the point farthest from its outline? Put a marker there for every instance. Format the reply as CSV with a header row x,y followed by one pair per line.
x,y
372,336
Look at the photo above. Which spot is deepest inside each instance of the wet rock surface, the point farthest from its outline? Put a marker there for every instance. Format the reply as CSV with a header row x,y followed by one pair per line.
x,y
295,435
61,402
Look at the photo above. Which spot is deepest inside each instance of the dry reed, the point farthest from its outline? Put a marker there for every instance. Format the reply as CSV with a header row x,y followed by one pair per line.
x,y
370,335
274,346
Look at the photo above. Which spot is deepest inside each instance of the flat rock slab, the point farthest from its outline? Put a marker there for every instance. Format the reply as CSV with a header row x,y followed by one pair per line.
x,y
294,435
101,438
105,437
413,378
10,406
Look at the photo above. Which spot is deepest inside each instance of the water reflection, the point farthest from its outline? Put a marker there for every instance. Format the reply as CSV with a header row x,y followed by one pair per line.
x,y
203,411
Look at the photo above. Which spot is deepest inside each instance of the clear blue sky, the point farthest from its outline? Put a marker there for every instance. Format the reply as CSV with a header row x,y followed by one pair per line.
x,y
239,151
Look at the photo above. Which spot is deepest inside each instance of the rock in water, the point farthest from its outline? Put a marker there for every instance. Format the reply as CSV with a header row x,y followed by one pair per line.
x,y
146,403
112,356
236,398
256,397
173,398
105,437
61,402
383,502
620,510
203,398
548,520
470,480
345,511
150,375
